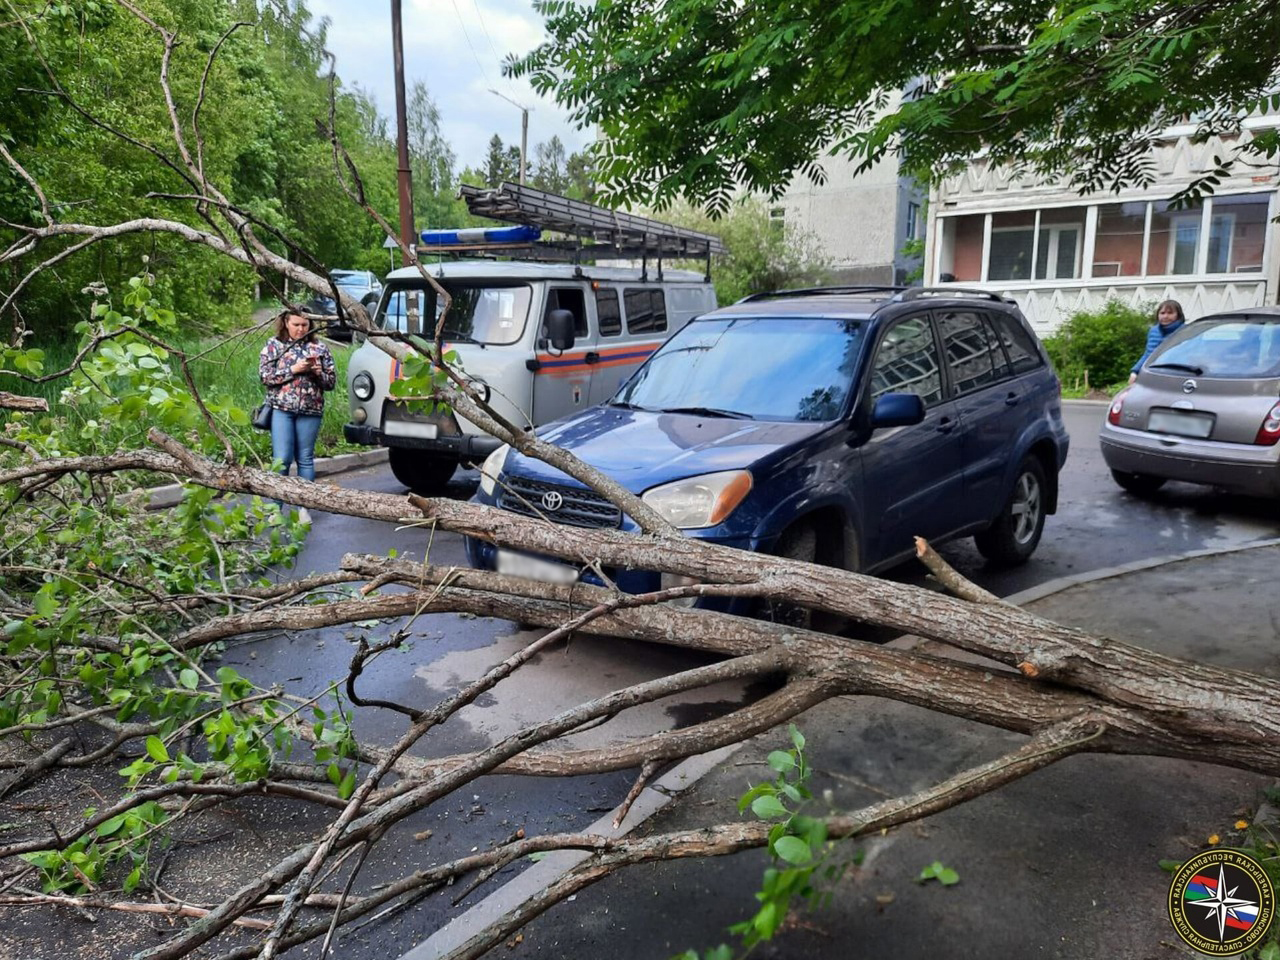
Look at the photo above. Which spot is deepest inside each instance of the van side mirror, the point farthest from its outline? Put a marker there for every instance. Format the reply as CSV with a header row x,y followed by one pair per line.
x,y
897,410
560,329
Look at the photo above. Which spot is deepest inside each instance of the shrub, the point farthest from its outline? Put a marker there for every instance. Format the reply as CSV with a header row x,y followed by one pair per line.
x,y
1101,344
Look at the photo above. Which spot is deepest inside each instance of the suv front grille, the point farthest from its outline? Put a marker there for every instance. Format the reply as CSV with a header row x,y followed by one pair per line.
x,y
577,507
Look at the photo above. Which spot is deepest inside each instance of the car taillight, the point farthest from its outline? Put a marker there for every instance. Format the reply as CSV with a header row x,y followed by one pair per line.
x,y
1269,432
1113,414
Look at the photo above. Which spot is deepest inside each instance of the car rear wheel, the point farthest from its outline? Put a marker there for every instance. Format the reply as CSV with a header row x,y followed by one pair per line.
x,y
1015,533
423,473
1139,484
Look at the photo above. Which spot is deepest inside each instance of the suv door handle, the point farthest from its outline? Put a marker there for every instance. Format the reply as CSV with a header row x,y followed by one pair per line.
x,y
592,357
946,425
1011,399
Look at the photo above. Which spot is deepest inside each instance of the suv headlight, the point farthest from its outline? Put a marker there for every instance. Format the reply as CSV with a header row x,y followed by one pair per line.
x,y
700,501
491,467
362,386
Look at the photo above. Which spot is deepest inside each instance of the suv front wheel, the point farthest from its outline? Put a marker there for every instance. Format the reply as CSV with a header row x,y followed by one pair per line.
x,y
1015,533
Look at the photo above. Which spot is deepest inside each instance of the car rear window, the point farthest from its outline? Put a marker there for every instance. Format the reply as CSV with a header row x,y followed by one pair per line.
x,y
1231,348
1018,342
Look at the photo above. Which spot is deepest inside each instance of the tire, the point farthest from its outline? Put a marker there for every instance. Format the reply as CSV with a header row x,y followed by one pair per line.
x,y
1015,533
423,473
800,542
1139,484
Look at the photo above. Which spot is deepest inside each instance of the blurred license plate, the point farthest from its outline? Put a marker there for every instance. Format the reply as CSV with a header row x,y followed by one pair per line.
x,y
535,568
1181,422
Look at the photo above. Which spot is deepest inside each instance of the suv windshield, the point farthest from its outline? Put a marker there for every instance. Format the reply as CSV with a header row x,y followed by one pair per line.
x,y
1232,348
759,367
481,312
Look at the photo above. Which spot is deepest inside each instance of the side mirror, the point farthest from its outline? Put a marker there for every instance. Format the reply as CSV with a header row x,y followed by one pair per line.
x,y
897,410
560,329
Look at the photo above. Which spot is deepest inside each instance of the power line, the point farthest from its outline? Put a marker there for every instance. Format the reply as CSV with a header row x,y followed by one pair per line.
x,y
462,23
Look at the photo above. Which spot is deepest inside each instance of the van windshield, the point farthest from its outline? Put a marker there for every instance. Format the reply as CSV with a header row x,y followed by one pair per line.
x,y
756,367
481,312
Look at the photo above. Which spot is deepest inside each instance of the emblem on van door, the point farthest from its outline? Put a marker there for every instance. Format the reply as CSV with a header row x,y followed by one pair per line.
x,y
1189,386
552,500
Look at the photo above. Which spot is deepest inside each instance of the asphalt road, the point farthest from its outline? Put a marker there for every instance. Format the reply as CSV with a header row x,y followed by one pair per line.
x,y
1097,526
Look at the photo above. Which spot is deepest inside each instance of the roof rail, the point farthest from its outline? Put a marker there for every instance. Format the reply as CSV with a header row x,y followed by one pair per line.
x,y
916,293
822,291
598,232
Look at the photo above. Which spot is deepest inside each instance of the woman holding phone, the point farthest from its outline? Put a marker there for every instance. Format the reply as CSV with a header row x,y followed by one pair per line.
x,y
296,369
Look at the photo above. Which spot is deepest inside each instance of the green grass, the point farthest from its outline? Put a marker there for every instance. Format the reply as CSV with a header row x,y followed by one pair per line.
x,y
223,366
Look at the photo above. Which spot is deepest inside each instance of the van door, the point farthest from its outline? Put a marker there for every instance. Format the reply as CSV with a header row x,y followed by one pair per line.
x,y
562,381
644,330
617,355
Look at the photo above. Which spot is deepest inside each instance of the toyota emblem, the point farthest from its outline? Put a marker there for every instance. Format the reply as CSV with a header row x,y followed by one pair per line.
x,y
1189,386
552,500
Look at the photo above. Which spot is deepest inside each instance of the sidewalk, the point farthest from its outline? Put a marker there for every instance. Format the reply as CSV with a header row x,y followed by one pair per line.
x,y
1061,864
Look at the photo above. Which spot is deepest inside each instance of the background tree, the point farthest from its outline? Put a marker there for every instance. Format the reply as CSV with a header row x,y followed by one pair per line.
x,y
694,97
761,253
431,159
550,168
502,163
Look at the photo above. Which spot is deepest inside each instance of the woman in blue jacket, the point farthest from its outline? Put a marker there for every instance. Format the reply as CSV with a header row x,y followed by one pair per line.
x,y
1169,318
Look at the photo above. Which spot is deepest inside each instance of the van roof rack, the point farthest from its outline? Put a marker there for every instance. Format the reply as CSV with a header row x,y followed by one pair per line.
x,y
916,293
823,291
590,232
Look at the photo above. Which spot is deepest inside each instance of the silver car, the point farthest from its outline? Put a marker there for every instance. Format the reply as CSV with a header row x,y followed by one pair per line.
x,y
1205,409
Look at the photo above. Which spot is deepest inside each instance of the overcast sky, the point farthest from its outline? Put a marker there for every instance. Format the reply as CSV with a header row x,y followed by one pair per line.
x,y
456,47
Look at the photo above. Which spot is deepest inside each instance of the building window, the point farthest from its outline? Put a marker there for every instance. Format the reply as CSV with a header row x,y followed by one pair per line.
x,y
1134,239
778,219
913,220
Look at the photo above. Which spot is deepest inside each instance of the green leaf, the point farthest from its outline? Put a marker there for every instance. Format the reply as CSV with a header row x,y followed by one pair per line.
x,y
948,877
793,850
189,678
156,750
768,807
796,736
781,761
348,787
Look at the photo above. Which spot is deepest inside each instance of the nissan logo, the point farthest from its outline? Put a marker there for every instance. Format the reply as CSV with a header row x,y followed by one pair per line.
x,y
552,500
1189,386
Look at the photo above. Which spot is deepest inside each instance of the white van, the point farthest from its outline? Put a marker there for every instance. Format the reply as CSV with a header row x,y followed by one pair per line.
x,y
498,324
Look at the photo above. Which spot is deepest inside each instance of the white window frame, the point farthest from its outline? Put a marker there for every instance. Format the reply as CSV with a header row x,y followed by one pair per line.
x,y
1056,230
1176,221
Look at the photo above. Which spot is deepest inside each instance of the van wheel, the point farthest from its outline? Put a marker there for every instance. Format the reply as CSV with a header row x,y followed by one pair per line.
x,y
1015,533
423,473
1139,484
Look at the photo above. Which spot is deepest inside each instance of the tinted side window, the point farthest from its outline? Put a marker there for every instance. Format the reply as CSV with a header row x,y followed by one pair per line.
x,y
607,312
907,362
571,299
1018,343
971,350
646,310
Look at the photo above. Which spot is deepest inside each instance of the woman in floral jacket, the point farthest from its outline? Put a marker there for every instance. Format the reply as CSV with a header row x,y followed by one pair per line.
x,y
296,369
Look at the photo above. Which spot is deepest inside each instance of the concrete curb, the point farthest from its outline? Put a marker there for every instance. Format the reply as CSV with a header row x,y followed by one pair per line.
x,y
170,495
1086,403
666,789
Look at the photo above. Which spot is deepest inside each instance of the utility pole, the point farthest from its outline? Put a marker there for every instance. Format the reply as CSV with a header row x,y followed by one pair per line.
x,y
404,176
524,129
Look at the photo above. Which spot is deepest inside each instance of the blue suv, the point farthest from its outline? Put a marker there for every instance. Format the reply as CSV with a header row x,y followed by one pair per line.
x,y
830,425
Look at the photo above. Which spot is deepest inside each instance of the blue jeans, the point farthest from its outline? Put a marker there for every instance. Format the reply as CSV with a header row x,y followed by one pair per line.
x,y
293,440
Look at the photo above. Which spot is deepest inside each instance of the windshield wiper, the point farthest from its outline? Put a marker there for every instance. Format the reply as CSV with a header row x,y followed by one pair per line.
x,y
623,405
710,412
1198,371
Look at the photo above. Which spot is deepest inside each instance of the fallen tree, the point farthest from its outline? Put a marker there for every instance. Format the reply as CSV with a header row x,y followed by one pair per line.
x,y
113,617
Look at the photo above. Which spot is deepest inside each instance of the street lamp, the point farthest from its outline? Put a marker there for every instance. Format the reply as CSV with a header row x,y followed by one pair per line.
x,y
524,128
